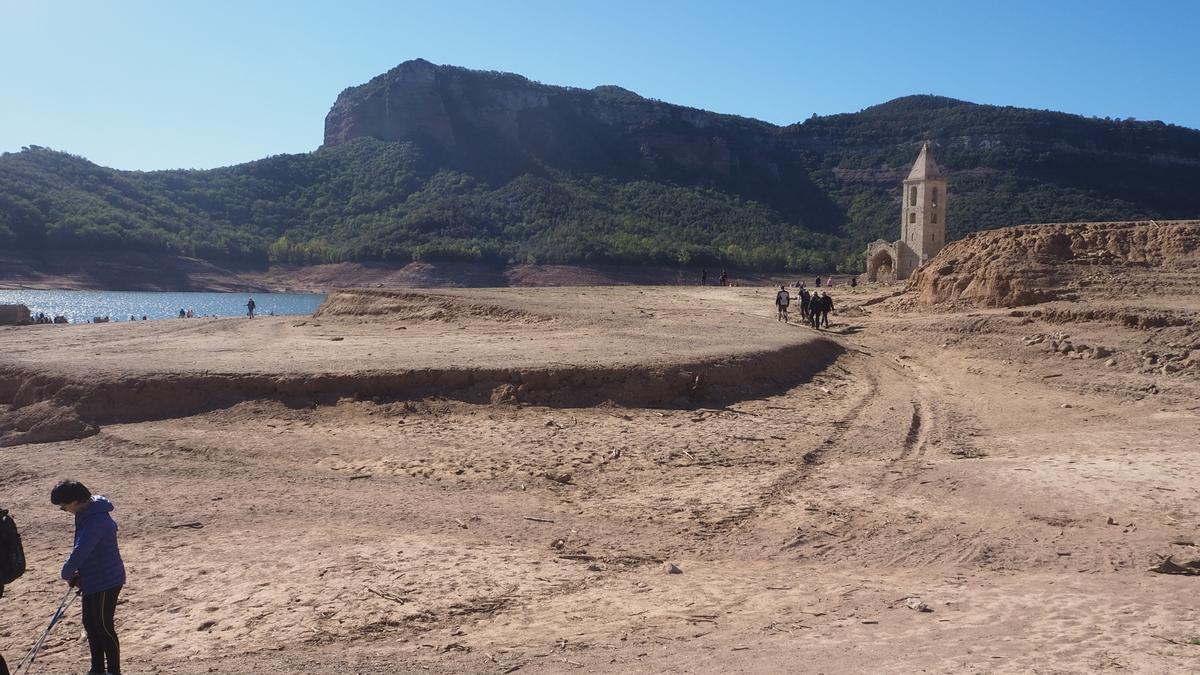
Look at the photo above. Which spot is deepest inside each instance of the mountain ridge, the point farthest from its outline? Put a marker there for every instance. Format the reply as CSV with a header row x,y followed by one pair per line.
x,y
428,162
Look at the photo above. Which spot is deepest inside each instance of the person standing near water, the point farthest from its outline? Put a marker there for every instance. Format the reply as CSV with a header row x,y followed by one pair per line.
x,y
250,307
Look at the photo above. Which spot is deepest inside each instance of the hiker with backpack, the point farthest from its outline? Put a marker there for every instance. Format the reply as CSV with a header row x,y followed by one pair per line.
x,y
96,569
12,561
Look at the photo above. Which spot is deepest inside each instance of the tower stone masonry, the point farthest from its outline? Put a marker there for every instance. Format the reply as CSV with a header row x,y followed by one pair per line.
x,y
922,224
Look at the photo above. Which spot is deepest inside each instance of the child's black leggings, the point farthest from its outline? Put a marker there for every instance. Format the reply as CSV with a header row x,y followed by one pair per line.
x,y
99,610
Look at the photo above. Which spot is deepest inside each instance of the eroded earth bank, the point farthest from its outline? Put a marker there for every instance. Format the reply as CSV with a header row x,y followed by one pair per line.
x,y
491,480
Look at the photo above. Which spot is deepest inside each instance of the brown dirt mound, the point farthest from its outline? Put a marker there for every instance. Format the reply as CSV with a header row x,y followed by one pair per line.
x,y
42,422
46,407
1028,264
418,306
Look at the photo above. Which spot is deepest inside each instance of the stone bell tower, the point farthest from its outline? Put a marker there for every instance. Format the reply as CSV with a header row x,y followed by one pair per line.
x,y
922,213
922,224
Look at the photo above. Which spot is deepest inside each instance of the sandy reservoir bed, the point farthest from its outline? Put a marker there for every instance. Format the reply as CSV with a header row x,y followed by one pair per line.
x,y
491,480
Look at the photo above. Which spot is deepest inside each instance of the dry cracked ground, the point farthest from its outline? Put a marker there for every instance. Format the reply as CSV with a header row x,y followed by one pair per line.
x,y
953,490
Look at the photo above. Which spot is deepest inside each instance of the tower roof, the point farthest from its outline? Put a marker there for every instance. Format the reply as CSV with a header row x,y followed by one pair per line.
x,y
925,168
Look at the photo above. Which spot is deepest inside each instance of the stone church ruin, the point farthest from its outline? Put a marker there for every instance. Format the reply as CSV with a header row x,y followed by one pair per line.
x,y
922,224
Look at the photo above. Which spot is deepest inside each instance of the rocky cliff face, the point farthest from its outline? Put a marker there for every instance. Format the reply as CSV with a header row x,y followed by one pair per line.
x,y
403,103
464,112
830,174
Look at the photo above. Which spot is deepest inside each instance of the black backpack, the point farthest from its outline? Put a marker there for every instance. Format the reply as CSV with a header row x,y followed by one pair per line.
x,y
12,555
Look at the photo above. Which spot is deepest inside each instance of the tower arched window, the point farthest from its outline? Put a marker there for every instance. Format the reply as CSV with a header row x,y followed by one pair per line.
x,y
912,216
912,196
935,196
933,217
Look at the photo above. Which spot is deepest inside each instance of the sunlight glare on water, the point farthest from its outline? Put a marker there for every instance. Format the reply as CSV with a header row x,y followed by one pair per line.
x,y
82,306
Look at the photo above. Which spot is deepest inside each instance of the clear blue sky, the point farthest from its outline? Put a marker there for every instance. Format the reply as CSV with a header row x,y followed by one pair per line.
x,y
205,83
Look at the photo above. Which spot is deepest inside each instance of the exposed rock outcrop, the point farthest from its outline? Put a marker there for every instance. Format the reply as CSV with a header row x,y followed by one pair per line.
x,y
14,315
1028,264
597,128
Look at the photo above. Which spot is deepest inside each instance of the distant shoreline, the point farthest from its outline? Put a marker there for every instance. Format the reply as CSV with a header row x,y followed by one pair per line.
x,y
171,273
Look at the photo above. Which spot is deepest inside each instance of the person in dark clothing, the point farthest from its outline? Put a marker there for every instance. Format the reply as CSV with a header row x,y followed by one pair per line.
x,y
3,665
96,569
826,308
803,302
782,300
12,561
704,277
853,282
724,278
250,308
817,282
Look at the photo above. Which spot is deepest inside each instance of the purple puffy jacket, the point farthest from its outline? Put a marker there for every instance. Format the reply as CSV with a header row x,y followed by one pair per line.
x,y
95,557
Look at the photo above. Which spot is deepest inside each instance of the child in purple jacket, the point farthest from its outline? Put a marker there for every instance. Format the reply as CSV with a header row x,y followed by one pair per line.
x,y
96,569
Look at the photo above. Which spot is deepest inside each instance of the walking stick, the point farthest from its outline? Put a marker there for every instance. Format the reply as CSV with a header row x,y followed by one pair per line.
x,y
27,663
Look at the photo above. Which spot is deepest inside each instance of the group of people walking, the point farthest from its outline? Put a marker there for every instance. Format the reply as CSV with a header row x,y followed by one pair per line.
x,y
94,571
814,307
829,282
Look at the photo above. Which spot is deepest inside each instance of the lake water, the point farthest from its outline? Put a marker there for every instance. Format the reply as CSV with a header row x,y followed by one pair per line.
x,y
81,306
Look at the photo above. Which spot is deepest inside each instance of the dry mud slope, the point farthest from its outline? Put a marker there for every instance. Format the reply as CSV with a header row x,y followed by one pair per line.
x,y
624,479
1029,264
567,348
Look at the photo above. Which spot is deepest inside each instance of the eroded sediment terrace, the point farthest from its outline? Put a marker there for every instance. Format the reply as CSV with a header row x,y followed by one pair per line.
x,y
482,480
580,346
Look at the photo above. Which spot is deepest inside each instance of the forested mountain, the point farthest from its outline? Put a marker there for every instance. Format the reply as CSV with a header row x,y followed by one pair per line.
x,y
433,162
